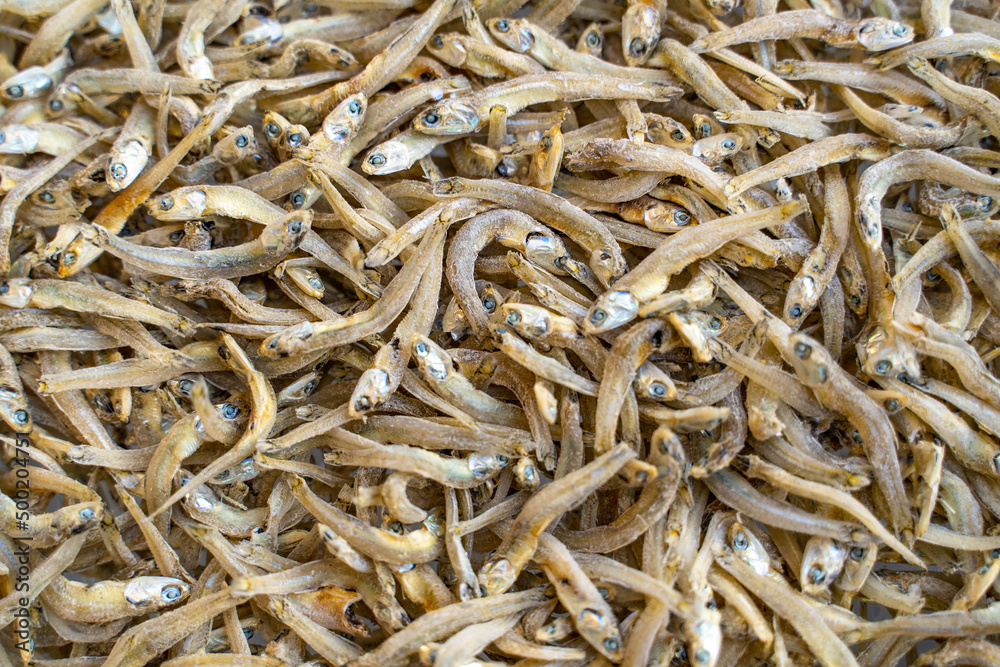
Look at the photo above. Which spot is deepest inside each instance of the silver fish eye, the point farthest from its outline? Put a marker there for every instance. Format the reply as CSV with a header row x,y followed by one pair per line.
x,y
171,592
421,349
15,91
802,350
740,541
241,141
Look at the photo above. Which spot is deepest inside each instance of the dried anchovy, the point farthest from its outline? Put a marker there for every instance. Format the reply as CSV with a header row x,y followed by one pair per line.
x,y
563,332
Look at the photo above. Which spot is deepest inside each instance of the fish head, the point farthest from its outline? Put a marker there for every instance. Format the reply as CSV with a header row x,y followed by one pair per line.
x,y
18,139
387,158
181,205
452,117
810,360
343,122
76,519
653,384
497,575
372,389
449,49
527,320
822,561
235,147
430,357
640,33
16,292
879,34
666,217
611,309
27,84
547,251
512,33
153,593
125,163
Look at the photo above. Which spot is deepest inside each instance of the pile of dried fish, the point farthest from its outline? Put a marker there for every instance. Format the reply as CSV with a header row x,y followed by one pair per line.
x,y
396,332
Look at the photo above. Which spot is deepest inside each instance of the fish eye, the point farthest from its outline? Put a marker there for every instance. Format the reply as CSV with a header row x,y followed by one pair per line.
x,y
273,345
855,301
272,129
166,203
795,311
316,283
883,366
376,160
892,405
681,218
175,237
702,655
21,417
816,574
421,349
802,350
637,47
68,258
363,404
857,554
899,30
677,135
729,144
56,105
715,322
295,138
298,200
295,226
354,108
593,40
184,386
740,541
119,171
611,644
985,202
171,592
47,196
15,91
431,118
513,317
657,389
230,411
822,373
598,316
503,25
502,460
4,288
86,514
241,141
438,42
223,475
